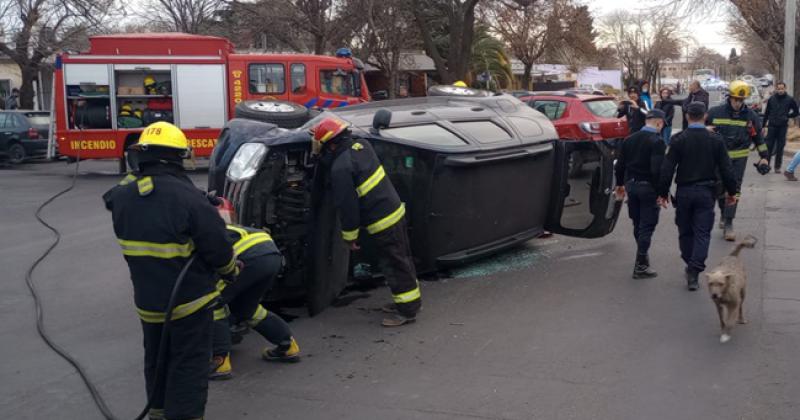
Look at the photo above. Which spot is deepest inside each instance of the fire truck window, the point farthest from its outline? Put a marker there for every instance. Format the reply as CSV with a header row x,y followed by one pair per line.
x,y
298,77
267,79
337,82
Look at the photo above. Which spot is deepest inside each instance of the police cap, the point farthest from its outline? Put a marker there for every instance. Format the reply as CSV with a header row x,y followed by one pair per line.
x,y
696,109
656,113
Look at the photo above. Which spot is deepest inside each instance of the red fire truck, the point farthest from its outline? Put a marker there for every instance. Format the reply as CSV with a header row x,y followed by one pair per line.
x,y
105,97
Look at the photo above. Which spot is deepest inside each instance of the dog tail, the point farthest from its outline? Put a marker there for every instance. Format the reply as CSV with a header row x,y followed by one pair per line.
x,y
748,242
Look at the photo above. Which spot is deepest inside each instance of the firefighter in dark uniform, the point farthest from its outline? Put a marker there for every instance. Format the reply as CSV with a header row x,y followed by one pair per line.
x,y
739,126
699,156
261,263
162,220
637,170
367,200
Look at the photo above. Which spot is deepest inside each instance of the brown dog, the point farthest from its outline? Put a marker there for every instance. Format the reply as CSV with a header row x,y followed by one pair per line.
x,y
726,284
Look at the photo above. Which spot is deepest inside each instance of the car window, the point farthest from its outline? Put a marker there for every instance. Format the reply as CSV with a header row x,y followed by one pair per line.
x,y
298,77
605,108
267,78
483,131
337,82
553,110
426,133
38,119
526,126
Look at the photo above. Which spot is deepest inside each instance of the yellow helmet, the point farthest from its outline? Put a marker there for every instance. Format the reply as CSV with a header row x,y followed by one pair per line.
x,y
127,107
149,80
460,84
739,89
162,134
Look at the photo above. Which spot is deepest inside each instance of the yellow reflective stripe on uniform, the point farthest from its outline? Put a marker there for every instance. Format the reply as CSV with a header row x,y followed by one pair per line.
x,y
229,267
250,241
350,235
762,148
258,316
242,233
409,296
155,250
371,182
221,285
145,185
180,311
728,121
738,154
387,221
221,313
128,179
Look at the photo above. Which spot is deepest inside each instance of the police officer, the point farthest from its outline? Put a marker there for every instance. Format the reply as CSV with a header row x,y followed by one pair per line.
x,y
780,107
699,155
261,263
367,200
739,126
637,170
161,221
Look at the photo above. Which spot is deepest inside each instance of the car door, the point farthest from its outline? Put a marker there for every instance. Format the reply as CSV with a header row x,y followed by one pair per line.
x,y
582,203
6,132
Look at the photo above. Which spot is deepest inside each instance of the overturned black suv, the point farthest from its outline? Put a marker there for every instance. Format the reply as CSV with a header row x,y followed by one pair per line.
x,y
477,175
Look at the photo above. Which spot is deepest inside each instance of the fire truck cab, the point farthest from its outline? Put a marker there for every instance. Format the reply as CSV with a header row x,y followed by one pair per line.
x,y
105,97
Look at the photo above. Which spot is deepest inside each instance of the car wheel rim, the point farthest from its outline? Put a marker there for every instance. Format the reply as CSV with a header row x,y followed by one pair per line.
x,y
16,153
271,107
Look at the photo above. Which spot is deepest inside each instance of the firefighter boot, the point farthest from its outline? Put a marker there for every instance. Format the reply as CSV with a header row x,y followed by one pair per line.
x,y
220,368
398,319
642,270
275,330
692,282
284,352
728,232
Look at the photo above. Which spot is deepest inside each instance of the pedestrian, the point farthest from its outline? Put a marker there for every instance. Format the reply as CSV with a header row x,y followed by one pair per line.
x,y
740,127
696,94
366,198
678,88
12,101
667,104
780,107
789,172
637,170
633,109
162,222
644,88
241,301
699,156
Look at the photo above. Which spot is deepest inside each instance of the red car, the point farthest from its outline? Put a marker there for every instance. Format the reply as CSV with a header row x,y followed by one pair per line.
x,y
579,116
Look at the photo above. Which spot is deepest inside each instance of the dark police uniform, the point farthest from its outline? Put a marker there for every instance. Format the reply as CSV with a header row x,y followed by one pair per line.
x,y
367,200
699,155
738,129
776,118
161,220
638,168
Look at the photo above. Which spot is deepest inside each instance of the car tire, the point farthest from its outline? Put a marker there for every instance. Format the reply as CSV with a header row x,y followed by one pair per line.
x,y
281,113
16,153
449,90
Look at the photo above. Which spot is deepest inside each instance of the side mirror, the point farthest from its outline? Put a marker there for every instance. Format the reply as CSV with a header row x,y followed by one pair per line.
x,y
382,119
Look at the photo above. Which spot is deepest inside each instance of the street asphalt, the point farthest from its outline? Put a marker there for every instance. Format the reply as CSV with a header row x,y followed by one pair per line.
x,y
555,329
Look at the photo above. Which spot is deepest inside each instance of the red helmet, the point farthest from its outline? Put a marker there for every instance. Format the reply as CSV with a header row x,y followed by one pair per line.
x,y
328,129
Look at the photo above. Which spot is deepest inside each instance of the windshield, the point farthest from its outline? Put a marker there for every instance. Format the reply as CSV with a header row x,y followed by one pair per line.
x,y
605,108
41,120
337,82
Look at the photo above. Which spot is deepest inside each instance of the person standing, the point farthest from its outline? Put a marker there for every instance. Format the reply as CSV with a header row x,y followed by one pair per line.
x,y
633,110
696,94
739,126
667,105
366,198
780,107
12,101
699,156
162,222
644,90
637,170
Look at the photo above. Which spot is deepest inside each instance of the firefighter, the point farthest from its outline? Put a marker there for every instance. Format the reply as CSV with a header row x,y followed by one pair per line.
x,y
162,220
261,263
366,199
739,127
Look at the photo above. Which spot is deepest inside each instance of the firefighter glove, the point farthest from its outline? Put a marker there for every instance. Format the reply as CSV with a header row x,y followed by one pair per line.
x,y
762,168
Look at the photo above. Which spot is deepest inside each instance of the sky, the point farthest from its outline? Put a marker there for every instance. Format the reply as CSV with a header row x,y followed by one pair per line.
x,y
710,33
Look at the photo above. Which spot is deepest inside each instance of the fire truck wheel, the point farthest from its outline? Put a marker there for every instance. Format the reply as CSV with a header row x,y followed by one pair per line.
x,y
449,90
281,113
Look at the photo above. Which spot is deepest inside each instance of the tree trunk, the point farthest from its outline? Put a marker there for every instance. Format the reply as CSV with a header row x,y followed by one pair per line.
x,y
26,92
526,76
319,44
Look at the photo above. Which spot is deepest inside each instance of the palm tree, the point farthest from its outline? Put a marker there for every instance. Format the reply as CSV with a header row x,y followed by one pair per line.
x,y
489,58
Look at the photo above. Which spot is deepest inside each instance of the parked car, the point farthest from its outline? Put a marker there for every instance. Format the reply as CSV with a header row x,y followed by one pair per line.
x,y
763,82
755,101
23,134
477,175
579,116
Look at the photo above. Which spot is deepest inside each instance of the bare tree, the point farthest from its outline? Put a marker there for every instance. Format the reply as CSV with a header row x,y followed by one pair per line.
x,y
36,29
189,16
455,20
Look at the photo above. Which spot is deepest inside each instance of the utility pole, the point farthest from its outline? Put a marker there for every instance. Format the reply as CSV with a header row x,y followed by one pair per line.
x,y
788,44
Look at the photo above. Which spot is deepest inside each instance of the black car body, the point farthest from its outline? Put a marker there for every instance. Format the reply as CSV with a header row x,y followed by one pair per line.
x,y
478,175
23,134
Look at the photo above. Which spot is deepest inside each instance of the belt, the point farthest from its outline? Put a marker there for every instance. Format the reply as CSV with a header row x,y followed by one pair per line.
x,y
701,184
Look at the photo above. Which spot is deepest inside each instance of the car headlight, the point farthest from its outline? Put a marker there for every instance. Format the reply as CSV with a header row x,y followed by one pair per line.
x,y
246,161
